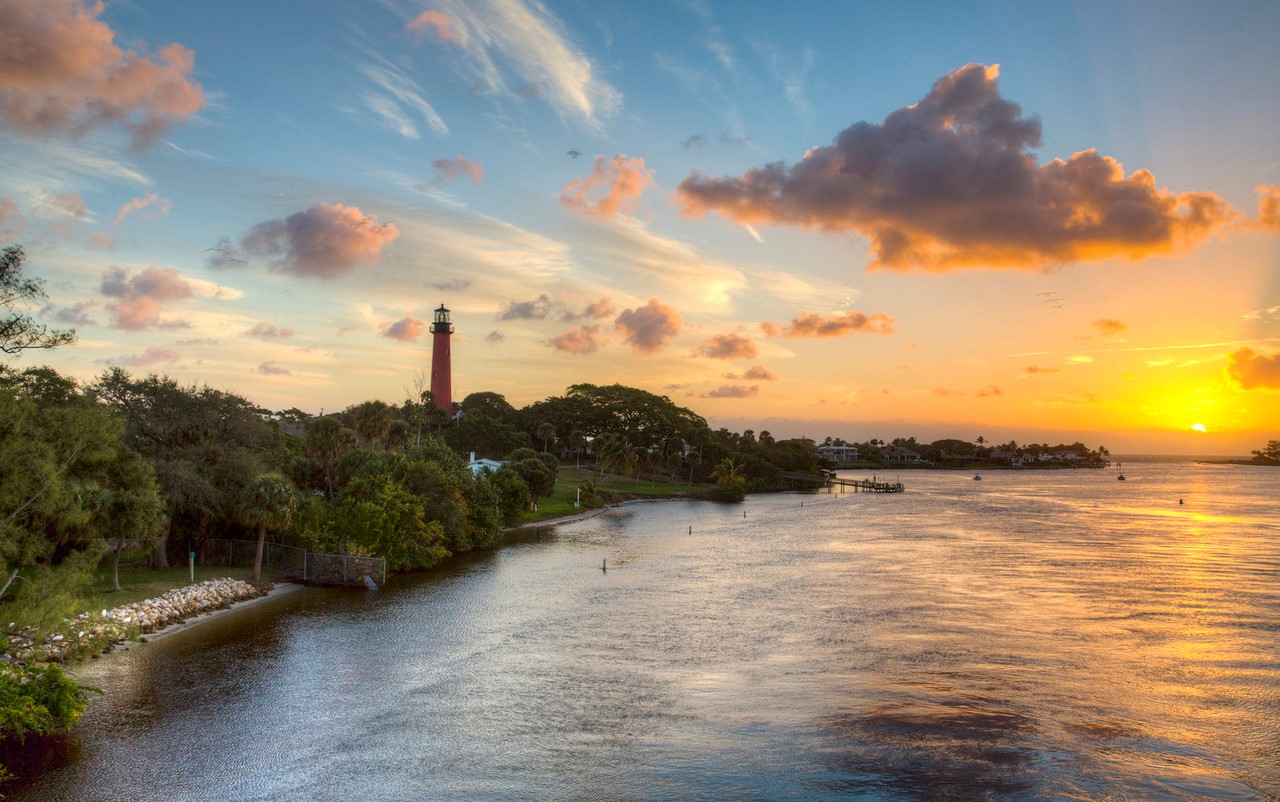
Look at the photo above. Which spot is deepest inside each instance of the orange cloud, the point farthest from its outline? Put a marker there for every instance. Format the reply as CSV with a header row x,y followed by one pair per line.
x,y
623,179
11,222
273,369
149,358
759,372
406,329
733,391
269,331
433,22
811,325
449,169
325,241
1108,327
62,72
1268,208
648,327
601,308
727,346
142,297
950,182
1253,371
578,340
136,204
1033,370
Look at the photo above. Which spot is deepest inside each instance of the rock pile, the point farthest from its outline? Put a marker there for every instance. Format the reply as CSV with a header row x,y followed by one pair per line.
x,y
92,633
180,604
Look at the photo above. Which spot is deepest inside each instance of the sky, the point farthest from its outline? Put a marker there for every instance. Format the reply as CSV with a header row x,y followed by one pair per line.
x,y
1038,222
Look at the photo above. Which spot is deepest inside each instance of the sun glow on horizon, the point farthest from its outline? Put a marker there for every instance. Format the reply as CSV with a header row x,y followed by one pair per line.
x,y
1198,427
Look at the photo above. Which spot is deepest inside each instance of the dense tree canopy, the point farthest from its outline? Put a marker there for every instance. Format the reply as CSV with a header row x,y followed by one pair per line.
x,y
206,445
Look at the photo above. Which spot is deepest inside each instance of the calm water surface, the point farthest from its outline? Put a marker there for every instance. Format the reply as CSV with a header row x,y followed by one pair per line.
x,y
1034,635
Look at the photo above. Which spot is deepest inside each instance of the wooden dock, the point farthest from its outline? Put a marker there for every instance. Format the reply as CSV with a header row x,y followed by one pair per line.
x,y
855,485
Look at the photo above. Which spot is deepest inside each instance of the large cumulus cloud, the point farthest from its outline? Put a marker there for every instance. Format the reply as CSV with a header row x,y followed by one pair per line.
x,y
325,241
62,72
950,182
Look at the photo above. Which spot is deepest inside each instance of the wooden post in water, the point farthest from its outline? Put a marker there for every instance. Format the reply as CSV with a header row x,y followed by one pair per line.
x,y
604,565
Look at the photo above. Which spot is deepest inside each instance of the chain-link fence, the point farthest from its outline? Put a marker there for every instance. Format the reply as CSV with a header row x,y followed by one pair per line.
x,y
294,562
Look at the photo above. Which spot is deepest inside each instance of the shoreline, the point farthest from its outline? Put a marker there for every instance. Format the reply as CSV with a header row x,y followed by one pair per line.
x,y
277,590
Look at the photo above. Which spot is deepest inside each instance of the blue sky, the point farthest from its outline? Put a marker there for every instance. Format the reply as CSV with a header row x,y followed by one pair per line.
x,y
319,176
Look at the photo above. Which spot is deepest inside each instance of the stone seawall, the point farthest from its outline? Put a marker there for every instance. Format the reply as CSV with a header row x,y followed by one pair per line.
x,y
89,634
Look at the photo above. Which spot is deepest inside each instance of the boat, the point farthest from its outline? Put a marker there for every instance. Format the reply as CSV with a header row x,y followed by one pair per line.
x,y
1120,477
977,476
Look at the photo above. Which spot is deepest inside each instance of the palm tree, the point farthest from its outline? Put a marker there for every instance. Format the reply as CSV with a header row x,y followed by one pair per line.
x,y
727,471
608,448
546,433
269,502
326,440
576,438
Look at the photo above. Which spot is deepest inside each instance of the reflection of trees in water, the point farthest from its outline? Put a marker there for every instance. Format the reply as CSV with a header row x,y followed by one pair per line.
x,y
931,751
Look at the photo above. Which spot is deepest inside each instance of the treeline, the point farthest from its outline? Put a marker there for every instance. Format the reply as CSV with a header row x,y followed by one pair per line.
x,y
979,450
148,469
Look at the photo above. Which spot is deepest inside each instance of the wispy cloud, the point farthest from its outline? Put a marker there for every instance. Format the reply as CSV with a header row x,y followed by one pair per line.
x,y
160,209
733,391
622,179
515,49
399,103
838,325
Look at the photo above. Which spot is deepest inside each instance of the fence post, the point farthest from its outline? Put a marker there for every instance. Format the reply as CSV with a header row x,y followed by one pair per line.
x,y
344,569
304,565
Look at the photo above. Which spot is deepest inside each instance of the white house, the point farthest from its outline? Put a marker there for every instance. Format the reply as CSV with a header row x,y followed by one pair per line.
x,y
479,465
838,453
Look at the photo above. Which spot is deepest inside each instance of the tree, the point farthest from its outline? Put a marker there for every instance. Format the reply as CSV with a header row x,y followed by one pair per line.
x,y
205,444
1269,455
546,433
269,503
18,331
494,405
327,440
69,486
727,471
730,483
371,421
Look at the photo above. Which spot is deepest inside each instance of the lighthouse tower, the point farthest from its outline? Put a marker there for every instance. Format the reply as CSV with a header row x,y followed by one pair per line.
x,y
441,369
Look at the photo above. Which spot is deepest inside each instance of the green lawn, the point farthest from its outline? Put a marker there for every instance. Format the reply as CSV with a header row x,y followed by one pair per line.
x,y
560,503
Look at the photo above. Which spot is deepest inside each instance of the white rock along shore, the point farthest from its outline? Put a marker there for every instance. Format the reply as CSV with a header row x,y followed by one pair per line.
x,y
92,633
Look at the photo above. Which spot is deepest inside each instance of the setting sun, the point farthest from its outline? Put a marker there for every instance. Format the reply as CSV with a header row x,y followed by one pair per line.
x,y
1197,427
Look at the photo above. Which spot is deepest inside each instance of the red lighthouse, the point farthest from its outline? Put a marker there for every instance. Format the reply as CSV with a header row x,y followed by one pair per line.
x,y
441,369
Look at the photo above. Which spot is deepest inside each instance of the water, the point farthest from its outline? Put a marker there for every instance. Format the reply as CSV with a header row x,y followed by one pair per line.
x,y
1033,635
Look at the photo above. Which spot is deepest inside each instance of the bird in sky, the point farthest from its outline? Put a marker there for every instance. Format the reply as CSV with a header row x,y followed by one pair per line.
x,y
362,222
573,154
